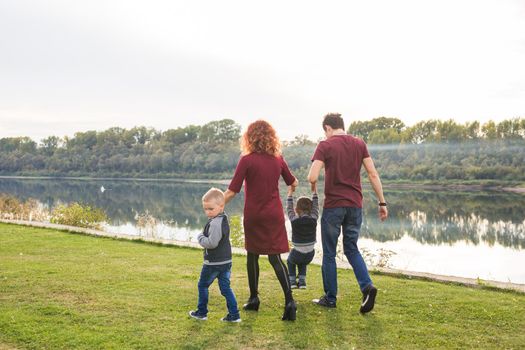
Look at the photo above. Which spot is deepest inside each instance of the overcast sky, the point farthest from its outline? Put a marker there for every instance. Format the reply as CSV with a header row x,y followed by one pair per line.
x,y
68,66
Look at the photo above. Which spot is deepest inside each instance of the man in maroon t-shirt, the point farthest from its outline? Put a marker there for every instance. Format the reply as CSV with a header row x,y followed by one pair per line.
x,y
342,156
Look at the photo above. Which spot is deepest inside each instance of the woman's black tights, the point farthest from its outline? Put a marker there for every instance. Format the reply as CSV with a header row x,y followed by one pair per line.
x,y
280,271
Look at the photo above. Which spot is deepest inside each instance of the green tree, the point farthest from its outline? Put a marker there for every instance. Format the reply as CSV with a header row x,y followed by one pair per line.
x,y
490,130
49,145
221,131
363,129
423,131
385,136
449,131
21,144
300,140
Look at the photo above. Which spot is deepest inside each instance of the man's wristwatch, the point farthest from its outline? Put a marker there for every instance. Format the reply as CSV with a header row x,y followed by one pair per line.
x,y
382,204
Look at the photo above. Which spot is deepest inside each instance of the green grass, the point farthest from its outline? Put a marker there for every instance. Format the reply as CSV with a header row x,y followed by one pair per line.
x,y
67,291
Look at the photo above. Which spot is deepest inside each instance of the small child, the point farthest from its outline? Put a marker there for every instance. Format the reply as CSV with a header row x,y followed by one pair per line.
x,y
304,228
217,257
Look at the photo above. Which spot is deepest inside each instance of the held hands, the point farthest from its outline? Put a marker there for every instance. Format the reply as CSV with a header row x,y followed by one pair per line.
x,y
383,213
292,187
313,186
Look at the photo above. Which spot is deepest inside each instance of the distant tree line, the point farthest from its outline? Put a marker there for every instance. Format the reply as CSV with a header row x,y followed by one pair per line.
x,y
208,149
428,150
385,130
445,150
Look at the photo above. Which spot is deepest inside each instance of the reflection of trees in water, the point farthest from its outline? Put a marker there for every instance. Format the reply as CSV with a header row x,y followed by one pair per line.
x,y
122,200
428,217
449,217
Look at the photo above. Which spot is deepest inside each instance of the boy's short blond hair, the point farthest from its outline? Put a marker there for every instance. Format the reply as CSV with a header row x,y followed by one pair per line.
x,y
214,194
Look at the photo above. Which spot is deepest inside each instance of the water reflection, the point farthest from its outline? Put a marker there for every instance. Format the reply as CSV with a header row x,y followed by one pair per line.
x,y
446,217
429,217
174,203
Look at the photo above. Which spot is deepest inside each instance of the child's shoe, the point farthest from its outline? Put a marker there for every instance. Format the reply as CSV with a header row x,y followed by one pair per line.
x,y
230,318
302,284
197,316
293,282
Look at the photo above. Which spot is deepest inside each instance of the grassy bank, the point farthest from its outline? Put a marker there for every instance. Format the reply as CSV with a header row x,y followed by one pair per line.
x,y
68,291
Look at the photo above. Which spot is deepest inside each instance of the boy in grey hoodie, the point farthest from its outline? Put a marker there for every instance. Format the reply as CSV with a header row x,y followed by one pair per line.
x,y
215,239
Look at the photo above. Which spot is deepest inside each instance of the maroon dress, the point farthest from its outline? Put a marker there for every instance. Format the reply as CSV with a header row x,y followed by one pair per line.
x,y
264,228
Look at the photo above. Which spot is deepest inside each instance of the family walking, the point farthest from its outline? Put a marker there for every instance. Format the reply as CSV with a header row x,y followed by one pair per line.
x,y
260,167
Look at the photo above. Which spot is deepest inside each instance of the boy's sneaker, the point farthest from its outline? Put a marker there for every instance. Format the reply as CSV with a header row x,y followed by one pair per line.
x,y
369,298
302,284
198,316
323,301
293,283
230,318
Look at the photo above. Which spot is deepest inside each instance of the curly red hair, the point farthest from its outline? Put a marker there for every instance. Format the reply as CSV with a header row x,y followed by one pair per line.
x,y
260,137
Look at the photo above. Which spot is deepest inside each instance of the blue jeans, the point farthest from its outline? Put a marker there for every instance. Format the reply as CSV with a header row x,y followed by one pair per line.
x,y
299,260
208,274
332,221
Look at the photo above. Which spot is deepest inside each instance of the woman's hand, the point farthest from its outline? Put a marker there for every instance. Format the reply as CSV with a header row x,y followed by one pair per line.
x,y
294,185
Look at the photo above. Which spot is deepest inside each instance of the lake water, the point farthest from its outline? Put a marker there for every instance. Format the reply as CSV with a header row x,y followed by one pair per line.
x,y
470,234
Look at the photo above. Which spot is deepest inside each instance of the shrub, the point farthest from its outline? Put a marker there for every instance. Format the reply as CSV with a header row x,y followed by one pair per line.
x,y
14,209
147,224
76,214
236,231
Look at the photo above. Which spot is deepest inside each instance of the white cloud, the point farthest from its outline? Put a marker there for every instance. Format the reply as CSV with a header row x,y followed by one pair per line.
x,y
97,64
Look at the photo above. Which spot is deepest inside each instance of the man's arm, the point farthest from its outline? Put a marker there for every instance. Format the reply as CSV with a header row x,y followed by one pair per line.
x,y
315,170
214,235
375,181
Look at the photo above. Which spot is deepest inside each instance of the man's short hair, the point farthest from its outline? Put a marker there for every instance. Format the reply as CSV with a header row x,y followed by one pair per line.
x,y
214,194
333,120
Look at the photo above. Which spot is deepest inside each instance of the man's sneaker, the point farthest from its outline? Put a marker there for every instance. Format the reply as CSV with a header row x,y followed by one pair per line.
x,y
302,284
369,298
293,283
230,318
323,301
198,316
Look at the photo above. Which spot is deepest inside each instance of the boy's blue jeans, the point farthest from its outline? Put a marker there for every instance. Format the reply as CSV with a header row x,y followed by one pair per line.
x,y
208,274
348,220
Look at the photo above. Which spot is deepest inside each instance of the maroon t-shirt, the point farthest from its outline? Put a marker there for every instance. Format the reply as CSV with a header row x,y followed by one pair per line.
x,y
264,229
342,156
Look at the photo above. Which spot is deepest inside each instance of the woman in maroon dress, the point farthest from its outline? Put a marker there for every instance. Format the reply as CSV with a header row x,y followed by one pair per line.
x,y
260,167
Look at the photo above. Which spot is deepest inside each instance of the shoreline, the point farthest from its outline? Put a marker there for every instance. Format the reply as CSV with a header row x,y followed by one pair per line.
x,y
469,282
139,179
455,187
386,184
